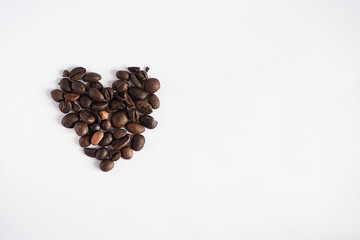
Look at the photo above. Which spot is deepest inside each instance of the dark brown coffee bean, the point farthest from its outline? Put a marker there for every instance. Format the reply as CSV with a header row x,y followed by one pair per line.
x,y
81,128
92,77
90,152
101,153
76,107
143,107
106,125
135,80
97,137
78,87
147,69
127,153
57,95
84,141
106,165
96,85
125,97
65,106
85,101
134,115
134,69
65,85
96,94
66,73
137,142
87,116
122,75
143,76
137,93
152,85
97,116
108,93
154,101
120,85
107,139
117,104
77,73
148,122
119,119
122,142
94,127
114,155
69,120
71,96
119,133
98,106
134,128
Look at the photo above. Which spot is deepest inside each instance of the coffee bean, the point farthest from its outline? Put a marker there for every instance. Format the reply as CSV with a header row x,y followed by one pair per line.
x,y
152,85
96,85
119,133
69,120
77,73
65,85
120,85
137,142
134,115
119,119
81,128
117,105
143,107
97,116
101,153
134,128
66,73
114,155
90,152
122,142
87,116
76,107
78,87
135,80
57,95
154,101
137,93
71,96
95,94
65,106
106,165
147,69
122,75
108,93
92,77
94,127
104,114
134,69
96,137
143,76
125,97
106,125
84,141
85,102
148,122
98,106
107,139
127,153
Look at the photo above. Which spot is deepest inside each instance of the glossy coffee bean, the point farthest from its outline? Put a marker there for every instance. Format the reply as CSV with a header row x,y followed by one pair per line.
x,y
65,106
98,106
106,125
87,117
84,141
81,128
154,101
119,133
119,119
107,139
85,101
122,142
120,85
114,155
71,96
134,79
106,165
57,95
90,152
143,107
148,121
78,87
101,153
65,85
117,105
96,85
94,127
108,93
134,115
134,128
96,94
137,142
134,69
122,75
77,73
104,114
69,120
96,137
152,85
76,107
137,93
127,153
92,77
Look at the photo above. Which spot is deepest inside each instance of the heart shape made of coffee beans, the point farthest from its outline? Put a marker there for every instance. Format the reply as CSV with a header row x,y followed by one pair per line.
x,y
109,118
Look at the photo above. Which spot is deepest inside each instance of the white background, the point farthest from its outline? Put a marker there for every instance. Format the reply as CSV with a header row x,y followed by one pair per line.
x,y
259,125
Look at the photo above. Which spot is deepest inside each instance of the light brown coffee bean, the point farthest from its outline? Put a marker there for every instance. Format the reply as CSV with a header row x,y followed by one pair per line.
x,y
71,96
104,114
96,137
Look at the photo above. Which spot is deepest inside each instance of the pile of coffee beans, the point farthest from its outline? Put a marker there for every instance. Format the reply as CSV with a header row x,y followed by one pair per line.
x,y
111,119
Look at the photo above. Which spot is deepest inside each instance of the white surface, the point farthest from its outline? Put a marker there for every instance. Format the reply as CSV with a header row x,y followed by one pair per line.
x,y
259,125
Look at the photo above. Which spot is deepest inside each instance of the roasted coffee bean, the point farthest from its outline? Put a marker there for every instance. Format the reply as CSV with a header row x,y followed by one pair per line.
x,y
108,93
76,107
114,155
65,85
117,104
98,106
106,125
120,85
135,80
122,142
84,141
104,114
57,95
122,75
154,101
134,115
101,153
81,128
87,116
134,128
65,106
107,139
78,87
137,93
77,73
85,101
97,116
94,127
69,120
127,153
143,107
152,85
96,94
147,69
96,137
119,119
137,142
96,85
71,96
148,122
92,77
125,97
134,69
119,133
143,76
66,73
90,152
106,165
